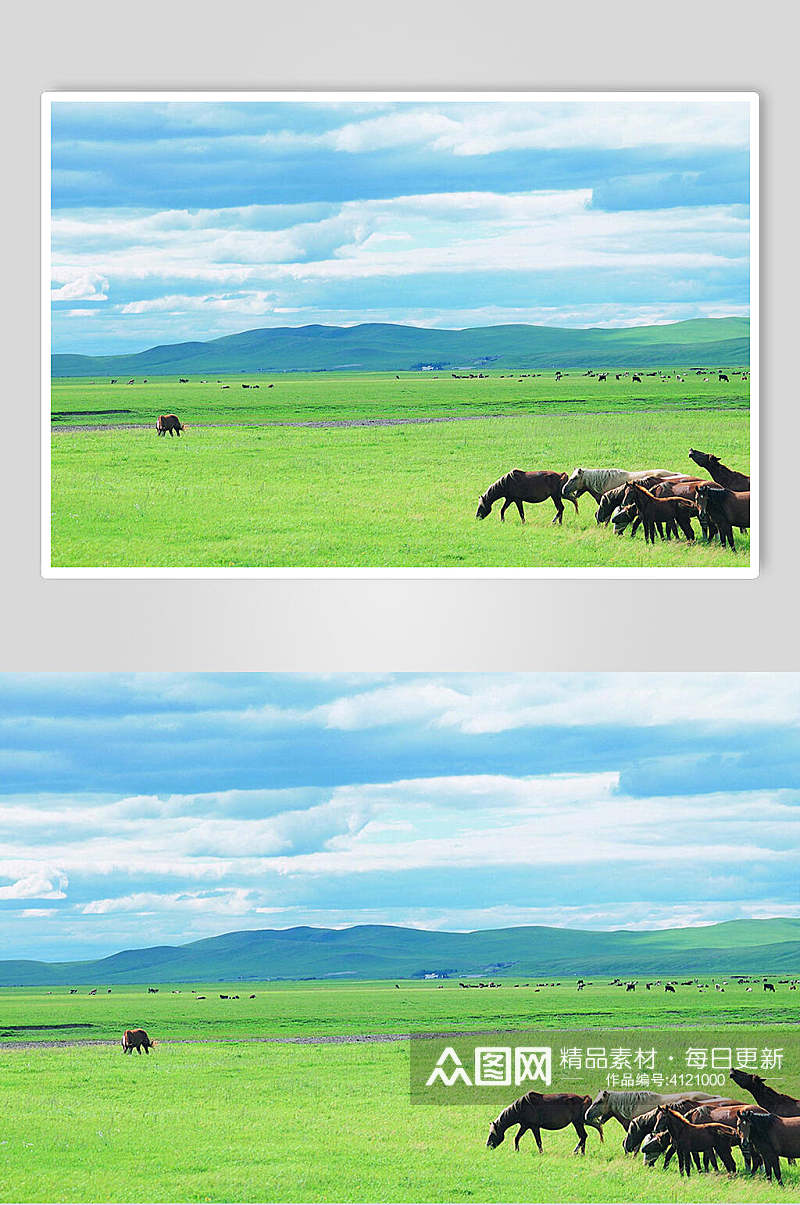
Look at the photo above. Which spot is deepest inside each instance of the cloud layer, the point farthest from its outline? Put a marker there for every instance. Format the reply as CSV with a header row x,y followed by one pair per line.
x,y
145,809
190,220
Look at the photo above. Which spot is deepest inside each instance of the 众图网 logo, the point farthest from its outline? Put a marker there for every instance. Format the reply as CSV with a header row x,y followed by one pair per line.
x,y
493,1066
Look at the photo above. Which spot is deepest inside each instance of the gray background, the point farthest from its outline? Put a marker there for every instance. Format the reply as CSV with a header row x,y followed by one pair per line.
x,y
399,624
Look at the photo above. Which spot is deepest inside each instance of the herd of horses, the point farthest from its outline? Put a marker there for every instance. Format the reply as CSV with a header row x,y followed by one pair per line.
x,y
660,501
694,1126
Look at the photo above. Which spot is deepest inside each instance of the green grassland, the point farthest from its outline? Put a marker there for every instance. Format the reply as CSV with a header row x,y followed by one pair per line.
x,y
403,496
320,397
245,1121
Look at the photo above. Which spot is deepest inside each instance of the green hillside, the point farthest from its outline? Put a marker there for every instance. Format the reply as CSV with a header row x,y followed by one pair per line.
x,y
383,347
388,952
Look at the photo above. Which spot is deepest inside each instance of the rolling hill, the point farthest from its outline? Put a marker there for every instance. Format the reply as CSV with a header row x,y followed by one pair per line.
x,y
389,952
383,347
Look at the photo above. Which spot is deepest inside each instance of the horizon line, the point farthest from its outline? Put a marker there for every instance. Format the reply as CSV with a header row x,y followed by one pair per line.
x,y
411,326
412,929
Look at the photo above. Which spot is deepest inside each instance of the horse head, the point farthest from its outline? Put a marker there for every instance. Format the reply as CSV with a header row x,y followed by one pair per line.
x,y
599,1108
574,485
496,1136
745,1080
484,508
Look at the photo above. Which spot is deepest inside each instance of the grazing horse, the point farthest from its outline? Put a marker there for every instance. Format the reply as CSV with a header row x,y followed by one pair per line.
x,y
766,1097
171,423
653,511
725,509
624,1106
518,487
770,1136
136,1039
720,472
597,481
689,1139
536,1111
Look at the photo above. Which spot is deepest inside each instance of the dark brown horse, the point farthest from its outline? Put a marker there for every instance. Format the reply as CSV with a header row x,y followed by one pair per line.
x,y
136,1039
689,1139
655,511
518,487
769,1137
171,423
725,509
536,1111
762,1094
720,472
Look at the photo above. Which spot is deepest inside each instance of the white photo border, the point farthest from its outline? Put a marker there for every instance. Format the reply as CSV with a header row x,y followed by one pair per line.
x,y
334,96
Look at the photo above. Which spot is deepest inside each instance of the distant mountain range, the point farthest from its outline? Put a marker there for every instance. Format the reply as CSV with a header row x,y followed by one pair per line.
x,y
383,347
389,952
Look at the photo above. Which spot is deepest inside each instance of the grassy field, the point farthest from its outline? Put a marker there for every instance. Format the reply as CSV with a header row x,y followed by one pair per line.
x,y
228,1121
405,496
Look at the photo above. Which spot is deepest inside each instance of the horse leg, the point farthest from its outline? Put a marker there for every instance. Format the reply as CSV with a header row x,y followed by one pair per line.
x,y
538,1136
523,1129
559,505
728,1161
504,508
580,1130
520,509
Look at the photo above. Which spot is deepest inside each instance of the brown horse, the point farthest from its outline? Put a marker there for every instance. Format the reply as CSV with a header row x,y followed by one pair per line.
x,y
655,511
720,472
770,1137
536,1111
171,423
689,1139
725,509
518,487
762,1094
136,1039
727,1114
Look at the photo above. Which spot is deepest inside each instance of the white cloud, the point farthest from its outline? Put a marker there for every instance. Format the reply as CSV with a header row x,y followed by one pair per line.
x,y
79,285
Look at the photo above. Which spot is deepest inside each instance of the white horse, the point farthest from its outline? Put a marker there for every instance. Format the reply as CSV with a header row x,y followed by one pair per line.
x,y
624,1106
597,481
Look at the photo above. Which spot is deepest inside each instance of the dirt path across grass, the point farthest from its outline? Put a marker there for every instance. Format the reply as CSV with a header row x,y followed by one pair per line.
x,y
72,428
318,1040
333,422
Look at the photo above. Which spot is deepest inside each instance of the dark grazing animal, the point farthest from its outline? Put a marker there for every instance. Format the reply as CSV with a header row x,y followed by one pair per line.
x,y
519,486
171,423
536,1111
724,508
769,987
688,1138
136,1039
720,472
770,1136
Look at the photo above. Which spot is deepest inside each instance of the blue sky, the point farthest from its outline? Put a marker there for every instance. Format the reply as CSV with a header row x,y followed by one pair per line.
x,y
185,220
145,809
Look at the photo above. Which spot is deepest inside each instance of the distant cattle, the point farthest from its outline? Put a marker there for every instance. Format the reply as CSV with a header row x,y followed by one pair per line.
x,y
183,380
668,987
722,376
636,378
136,1039
769,987
171,423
